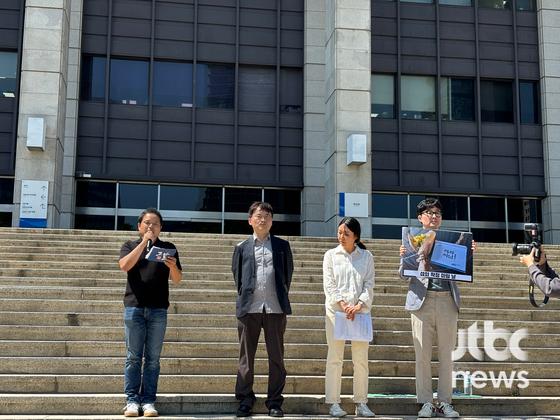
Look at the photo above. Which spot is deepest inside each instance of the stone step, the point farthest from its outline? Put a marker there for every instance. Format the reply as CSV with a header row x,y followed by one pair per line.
x,y
222,406
203,384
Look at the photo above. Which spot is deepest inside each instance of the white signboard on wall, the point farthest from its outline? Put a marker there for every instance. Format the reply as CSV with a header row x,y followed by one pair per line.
x,y
33,204
353,205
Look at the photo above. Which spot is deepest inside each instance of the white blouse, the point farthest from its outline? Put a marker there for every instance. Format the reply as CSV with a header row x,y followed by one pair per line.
x,y
348,277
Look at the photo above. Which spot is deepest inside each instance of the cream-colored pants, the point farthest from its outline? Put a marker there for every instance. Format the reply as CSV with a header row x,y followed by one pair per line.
x,y
335,356
436,318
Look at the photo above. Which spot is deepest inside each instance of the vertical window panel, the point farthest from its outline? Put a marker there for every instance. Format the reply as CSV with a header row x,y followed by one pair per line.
x,y
172,84
496,99
382,96
291,90
418,97
257,89
92,87
495,4
8,77
214,86
529,102
457,99
129,82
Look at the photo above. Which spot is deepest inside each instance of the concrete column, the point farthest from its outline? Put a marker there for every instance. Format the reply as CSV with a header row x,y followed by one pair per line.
x,y
348,78
43,90
548,14
313,196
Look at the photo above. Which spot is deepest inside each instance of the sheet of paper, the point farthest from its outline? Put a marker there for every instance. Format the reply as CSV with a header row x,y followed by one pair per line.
x,y
360,329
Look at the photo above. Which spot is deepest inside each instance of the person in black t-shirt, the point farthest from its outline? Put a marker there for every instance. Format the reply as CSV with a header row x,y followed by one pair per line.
x,y
145,314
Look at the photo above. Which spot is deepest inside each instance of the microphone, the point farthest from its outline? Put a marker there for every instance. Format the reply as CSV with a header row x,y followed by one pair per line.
x,y
149,245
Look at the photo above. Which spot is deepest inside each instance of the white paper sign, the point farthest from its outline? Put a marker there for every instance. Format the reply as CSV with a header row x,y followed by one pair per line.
x,y
360,329
34,199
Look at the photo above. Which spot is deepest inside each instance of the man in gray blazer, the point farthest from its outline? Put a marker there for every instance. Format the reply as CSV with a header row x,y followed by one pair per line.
x,y
262,267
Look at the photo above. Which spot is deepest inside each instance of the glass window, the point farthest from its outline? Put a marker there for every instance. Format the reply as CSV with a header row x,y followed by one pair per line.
x,y
237,227
389,205
190,198
89,221
495,4
417,1
418,97
382,96
489,235
291,90
284,201
172,84
286,228
456,2
457,99
6,191
137,196
455,208
214,85
127,223
529,102
523,5
96,194
129,82
194,227
496,101
240,199
92,87
386,231
8,76
488,209
524,210
5,219
257,89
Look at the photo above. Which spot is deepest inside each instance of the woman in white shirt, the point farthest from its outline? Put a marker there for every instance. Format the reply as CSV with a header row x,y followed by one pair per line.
x,y
348,278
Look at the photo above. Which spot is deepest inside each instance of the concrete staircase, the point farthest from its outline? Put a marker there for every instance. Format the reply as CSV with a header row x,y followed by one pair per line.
x,y
62,349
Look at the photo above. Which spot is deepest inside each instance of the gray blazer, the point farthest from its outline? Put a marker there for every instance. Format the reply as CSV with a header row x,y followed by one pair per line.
x,y
418,288
546,279
244,275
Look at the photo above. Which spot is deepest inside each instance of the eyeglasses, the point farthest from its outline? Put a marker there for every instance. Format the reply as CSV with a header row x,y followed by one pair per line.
x,y
432,214
147,223
263,216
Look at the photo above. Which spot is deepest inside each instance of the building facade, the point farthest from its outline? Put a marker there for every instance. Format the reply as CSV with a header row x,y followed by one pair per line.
x,y
199,107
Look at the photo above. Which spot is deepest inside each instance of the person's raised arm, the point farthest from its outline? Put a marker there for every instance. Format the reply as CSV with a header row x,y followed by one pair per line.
x,y
130,259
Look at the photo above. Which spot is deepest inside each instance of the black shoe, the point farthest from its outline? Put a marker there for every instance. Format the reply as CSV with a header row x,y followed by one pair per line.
x,y
243,411
276,412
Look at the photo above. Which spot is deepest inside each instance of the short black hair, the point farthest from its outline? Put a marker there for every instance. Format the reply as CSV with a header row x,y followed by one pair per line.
x,y
150,210
427,204
264,206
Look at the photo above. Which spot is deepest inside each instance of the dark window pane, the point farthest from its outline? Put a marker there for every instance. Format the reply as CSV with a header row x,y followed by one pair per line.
x,y
529,101
489,235
417,1
418,100
382,96
525,5
172,84
457,99
214,86
257,89
129,82
516,236
237,227
286,228
386,232
488,210
88,221
495,4
93,78
6,191
240,199
496,101
96,194
454,208
127,223
190,198
193,227
137,196
284,201
456,2
291,90
5,219
524,210
389,205
8,76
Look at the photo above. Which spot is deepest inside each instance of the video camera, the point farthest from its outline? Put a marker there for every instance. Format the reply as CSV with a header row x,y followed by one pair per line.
x,y
533,239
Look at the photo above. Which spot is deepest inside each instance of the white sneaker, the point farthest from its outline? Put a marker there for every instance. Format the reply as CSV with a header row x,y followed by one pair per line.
x,y
447,410
131,409
362,410
427,410
337,411
149,410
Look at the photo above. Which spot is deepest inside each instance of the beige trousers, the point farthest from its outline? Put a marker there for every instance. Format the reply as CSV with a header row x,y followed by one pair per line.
x,y
436,319
335,356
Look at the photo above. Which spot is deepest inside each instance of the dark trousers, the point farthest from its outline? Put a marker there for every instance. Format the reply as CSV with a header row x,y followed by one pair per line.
x,y
249,329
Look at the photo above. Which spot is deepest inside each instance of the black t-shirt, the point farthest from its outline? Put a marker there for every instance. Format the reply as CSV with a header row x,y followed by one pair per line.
x,y
147,284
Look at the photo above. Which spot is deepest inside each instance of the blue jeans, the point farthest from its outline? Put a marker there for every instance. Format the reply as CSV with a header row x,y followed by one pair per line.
x,y
144,331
